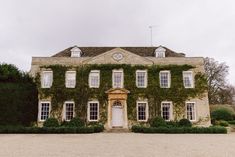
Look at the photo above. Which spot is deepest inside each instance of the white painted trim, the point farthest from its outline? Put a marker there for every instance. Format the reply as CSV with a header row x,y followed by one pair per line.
x,y
169,78
66,84
193,85
42,77
195,110
40,109
89,79
122,79
146,111
171,110
88,111
76,52
64,110
145,79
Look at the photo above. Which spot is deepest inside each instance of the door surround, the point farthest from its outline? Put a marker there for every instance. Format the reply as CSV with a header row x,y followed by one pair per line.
x,y
114,95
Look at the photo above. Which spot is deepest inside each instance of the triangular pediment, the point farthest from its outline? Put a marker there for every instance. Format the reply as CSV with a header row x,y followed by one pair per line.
x,y
117,91
118,56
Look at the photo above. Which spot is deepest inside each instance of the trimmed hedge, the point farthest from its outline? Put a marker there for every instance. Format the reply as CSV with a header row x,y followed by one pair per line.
x,y
180,130
51,130
51,122
222,114
231,122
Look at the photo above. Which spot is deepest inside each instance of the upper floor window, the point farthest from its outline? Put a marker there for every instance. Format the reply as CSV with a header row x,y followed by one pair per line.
x,y
188,79
70,79
94,79
165,79
76,52
141,78
160,52
166,110
93,111
68,110
44,110
142,110
117,78
46,79
190,111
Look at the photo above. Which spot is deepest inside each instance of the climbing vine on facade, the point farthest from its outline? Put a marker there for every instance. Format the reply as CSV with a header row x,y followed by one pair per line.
x,y
81,94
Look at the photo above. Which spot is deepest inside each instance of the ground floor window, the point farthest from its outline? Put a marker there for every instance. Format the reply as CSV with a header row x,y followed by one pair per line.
x,y
68,111
142,111
44,110
166,110
190,109
93,111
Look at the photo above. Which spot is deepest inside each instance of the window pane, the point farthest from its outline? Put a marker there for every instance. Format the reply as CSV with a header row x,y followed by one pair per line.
x,y
164,79
117,79
70,79
166,111
187,78
94,79
141,111
47,79
69,111
141,79
190,111
93,111
44,111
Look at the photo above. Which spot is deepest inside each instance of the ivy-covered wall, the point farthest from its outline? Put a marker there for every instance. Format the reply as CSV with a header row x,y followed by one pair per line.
x,y
81,94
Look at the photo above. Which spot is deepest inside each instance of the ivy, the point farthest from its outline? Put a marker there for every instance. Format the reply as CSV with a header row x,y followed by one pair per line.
x,y
81,94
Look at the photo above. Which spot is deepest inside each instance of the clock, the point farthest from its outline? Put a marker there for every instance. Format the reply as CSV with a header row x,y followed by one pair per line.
x,y
117,56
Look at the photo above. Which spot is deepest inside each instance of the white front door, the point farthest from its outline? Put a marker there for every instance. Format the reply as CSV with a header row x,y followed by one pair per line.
x,y
117,116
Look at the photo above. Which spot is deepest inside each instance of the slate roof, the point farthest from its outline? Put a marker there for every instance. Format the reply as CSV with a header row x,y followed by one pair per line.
x,y
94,51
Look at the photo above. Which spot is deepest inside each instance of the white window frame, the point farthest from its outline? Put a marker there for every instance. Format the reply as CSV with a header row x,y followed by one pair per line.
x,y
90,75
195,111
169,78
88,111
76,52
64,110
192,81
122,79
161,54
171,110
42,78
146,111
66,79
40,110
145,78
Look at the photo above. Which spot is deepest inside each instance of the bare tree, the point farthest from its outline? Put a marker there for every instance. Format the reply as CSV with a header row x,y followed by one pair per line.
x,y
216,74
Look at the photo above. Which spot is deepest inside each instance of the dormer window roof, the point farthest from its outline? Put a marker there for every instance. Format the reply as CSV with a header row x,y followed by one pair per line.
x,y
160,52
76,52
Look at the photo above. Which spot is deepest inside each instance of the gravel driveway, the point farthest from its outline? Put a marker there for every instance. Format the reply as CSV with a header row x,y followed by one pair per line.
x,y
117,145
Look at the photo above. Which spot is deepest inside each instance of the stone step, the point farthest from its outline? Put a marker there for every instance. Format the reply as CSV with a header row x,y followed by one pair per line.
x,y
117,130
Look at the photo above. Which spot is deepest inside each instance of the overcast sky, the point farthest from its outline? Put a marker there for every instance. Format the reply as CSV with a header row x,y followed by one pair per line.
x,y
43,27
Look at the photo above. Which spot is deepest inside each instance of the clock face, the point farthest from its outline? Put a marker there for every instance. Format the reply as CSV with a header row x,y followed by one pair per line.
x,y
117,56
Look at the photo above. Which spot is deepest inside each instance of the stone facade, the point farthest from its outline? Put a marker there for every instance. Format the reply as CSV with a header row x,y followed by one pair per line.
x,y
121,56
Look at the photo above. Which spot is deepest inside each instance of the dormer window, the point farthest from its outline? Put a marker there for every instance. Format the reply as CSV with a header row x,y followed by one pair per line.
x,y
76,52
160,52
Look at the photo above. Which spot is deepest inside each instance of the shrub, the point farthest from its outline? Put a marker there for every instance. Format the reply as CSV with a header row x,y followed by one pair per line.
x,y
51,122
222,114
180,130
76,122
222,123
18,97
231,122
157,122
172,124
185,123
